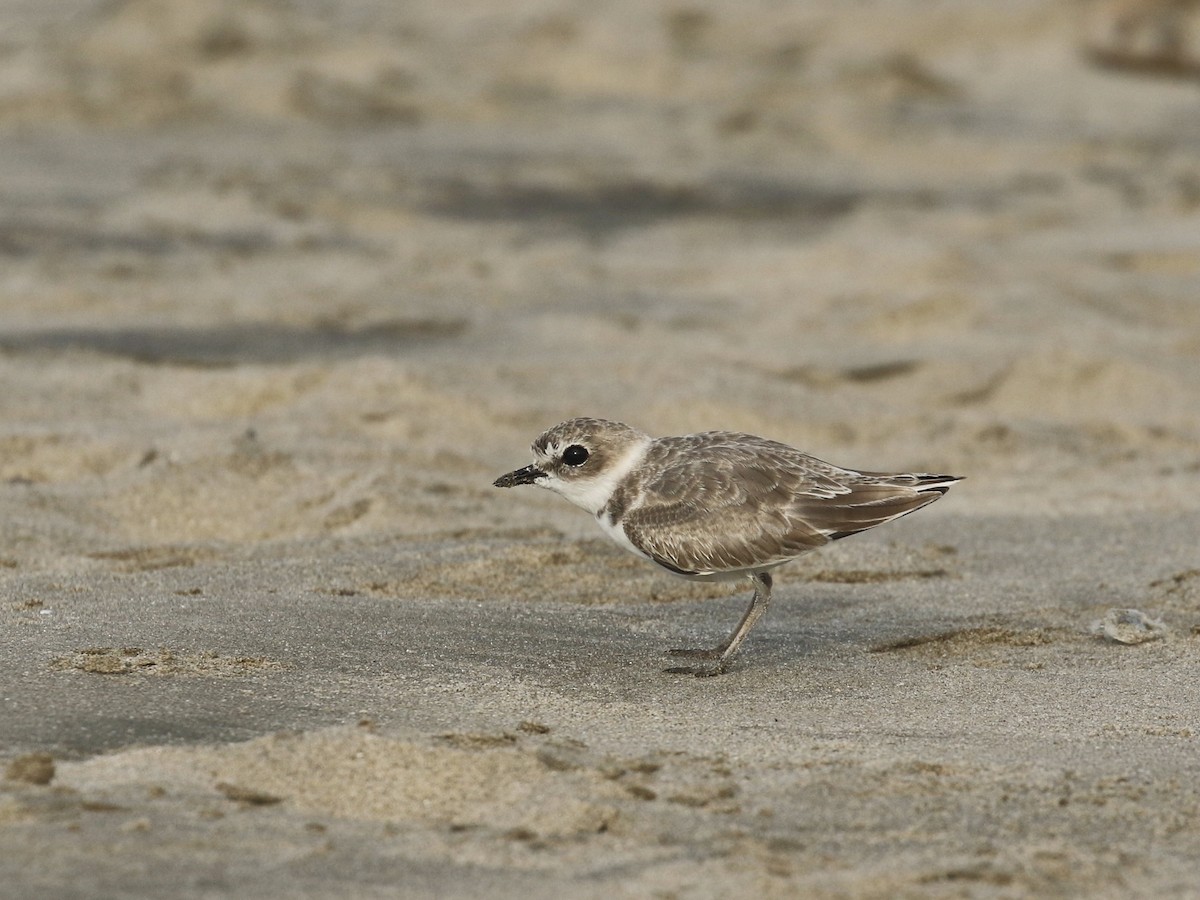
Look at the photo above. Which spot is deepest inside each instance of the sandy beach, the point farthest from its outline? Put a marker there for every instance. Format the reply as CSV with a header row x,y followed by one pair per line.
x,y
286,285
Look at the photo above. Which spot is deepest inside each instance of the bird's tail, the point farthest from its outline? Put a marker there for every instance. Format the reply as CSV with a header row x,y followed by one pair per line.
x,y
924,483
869,504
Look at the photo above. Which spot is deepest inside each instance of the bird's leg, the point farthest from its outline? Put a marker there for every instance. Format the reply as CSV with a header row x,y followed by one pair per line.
x,y
722,654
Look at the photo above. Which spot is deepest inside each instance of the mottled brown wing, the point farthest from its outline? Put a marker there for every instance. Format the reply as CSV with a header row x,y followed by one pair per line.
x,y
730,502
864,505
723,506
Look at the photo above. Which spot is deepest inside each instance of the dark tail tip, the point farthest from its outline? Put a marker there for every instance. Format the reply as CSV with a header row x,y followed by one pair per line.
x,y
939,483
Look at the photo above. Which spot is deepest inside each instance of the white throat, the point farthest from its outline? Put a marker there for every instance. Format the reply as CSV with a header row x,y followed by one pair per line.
x,y
592,494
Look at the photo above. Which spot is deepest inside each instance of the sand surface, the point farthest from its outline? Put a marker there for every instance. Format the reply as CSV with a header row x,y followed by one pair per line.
x,y
284,286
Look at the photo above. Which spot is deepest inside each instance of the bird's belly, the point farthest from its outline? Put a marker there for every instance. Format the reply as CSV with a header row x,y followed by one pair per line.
x,y
727,575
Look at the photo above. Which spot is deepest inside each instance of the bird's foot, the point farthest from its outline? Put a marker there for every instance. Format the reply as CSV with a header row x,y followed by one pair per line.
x,y
698,652
697,671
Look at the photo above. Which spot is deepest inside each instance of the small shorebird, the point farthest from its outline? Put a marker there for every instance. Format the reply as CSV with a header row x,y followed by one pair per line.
x,y
717,505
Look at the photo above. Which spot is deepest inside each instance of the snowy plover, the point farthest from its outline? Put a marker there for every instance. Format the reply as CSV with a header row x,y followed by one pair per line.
x,y
716,505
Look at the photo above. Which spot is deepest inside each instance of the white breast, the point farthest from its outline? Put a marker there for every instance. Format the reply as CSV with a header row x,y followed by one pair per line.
x,y
617,533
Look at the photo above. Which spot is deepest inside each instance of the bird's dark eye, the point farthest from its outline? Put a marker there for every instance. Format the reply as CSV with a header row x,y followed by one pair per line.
x,y
575,455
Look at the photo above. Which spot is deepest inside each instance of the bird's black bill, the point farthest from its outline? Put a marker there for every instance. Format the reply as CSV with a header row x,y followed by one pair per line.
x,y
527,475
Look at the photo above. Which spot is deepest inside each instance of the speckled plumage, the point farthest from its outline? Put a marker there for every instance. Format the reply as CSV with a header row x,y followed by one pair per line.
x,y
723,503
718,504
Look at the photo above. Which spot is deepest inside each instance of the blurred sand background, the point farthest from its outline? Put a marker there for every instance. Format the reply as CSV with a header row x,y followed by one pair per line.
x,y
285,285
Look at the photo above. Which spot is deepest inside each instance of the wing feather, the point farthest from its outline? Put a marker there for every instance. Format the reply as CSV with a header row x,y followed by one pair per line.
x,y
724,503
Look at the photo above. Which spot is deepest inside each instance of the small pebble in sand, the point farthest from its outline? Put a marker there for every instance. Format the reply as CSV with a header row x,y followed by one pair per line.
x,y
1129,626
